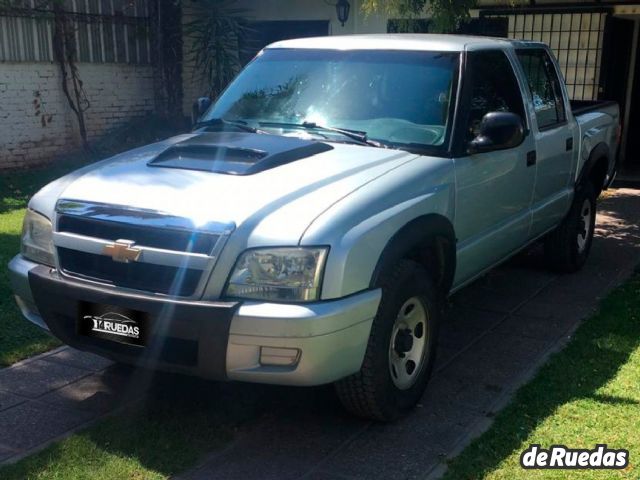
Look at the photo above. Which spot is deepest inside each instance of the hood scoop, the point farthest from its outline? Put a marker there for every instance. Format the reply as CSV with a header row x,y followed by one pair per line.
x,y
236,153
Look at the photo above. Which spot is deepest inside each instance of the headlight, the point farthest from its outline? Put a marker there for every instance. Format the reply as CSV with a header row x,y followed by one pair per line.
x,y
282,274
37,238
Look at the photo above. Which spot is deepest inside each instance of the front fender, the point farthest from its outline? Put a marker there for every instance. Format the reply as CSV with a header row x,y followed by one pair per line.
x,y
362,225
417,235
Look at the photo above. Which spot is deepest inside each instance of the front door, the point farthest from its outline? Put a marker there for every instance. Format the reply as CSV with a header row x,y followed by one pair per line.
x,y
494,189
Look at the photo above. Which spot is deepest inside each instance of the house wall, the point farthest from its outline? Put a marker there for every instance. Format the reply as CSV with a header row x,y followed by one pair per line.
x,y
113,45
274,10
316,10
576,38
278,10
36,122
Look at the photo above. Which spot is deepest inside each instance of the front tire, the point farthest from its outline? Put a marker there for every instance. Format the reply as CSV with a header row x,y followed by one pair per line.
x,y
401,349
567,247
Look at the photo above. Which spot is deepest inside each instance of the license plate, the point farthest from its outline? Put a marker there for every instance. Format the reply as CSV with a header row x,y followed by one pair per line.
x,y
112,323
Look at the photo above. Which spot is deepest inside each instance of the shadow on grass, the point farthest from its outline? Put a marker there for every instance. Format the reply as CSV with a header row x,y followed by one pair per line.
x,y
176,423
178,420
600,347
613,400
182,419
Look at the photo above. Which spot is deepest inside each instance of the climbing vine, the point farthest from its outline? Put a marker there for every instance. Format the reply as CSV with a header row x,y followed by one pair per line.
x,y
65,54
64,51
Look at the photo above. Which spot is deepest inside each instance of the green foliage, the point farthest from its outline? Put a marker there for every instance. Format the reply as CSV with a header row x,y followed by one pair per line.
x,y
261,103
447,15
218,35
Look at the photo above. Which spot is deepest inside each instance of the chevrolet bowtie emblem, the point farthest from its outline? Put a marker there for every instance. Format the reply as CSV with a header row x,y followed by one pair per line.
x,y
122,251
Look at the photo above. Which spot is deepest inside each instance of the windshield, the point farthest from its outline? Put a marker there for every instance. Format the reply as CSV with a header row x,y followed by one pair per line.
x,y
400,98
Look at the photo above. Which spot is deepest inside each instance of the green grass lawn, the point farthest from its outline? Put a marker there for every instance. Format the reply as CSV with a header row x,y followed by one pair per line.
x,y
18,338
589,393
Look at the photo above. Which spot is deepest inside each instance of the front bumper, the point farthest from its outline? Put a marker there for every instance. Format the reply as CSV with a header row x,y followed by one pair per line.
x,y
287,344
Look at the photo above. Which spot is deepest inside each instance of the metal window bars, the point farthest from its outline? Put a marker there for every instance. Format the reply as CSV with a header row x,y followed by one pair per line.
x,y
106,31
574,34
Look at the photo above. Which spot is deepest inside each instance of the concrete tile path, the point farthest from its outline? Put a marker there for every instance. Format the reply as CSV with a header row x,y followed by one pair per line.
x,y
29,416
499,331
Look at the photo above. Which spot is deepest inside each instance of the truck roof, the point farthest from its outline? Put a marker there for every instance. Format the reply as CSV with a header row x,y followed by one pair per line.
x,y
401,41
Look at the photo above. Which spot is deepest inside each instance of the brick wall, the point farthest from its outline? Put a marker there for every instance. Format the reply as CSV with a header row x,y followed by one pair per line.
x,y
36,123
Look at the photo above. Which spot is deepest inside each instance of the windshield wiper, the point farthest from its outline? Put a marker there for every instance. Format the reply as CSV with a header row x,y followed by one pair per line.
x,y
360,137
353,134
221,122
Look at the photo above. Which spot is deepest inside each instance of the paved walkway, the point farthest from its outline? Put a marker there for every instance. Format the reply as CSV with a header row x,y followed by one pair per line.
x,y
48,395
499,331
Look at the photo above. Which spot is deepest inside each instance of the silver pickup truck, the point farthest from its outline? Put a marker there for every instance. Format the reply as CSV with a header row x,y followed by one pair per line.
x,y
311,226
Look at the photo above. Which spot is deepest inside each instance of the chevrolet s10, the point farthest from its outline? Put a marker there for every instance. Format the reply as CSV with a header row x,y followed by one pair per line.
x,y
311,226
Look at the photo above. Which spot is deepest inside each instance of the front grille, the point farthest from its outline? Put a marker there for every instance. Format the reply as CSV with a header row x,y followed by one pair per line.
x,y
164,238
139,276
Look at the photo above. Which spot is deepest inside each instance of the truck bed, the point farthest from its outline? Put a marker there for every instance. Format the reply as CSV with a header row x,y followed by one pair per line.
x,y
598,122
580,107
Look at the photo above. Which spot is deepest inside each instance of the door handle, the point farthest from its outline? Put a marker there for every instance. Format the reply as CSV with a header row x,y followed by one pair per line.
x,y
569,144
531,158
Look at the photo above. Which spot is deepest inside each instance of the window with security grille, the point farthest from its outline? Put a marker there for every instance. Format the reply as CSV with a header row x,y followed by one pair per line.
x,y
574,35
106,31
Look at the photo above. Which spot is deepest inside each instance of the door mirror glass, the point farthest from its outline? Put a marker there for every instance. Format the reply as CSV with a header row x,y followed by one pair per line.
x,y
200,106
498,131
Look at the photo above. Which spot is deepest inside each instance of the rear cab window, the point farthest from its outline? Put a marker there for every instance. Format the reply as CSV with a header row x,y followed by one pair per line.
x,y
544,87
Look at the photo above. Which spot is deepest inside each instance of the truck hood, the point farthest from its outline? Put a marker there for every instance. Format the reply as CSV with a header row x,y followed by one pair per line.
x,y
198,176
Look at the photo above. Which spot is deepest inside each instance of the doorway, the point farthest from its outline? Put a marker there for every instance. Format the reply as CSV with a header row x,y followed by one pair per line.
x,y
264,33
632,144
621,82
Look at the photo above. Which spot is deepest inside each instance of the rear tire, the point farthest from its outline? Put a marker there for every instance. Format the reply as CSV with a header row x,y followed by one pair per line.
x,y
401,349
567,247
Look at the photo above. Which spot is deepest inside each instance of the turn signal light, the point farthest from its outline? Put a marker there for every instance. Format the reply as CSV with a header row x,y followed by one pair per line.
x,y
281,357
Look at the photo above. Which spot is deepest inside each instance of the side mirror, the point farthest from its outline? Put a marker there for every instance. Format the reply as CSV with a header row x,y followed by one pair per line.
x,y
498,130
198,108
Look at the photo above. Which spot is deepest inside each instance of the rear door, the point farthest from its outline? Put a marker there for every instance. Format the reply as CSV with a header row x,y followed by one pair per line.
x,y
555,135
494,189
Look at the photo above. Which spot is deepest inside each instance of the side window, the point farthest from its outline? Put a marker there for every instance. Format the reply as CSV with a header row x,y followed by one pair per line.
x,y
544,86
494,88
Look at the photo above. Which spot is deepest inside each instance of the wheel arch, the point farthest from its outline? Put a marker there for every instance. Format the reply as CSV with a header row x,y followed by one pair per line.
x,y
429,240
596,167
